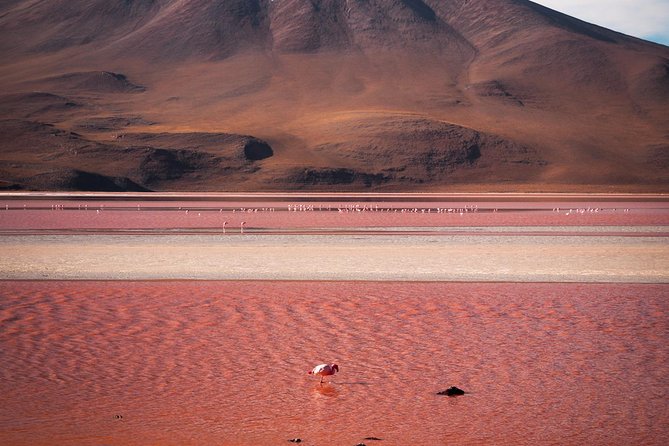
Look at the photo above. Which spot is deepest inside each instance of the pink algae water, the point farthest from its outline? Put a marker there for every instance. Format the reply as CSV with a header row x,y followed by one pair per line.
x,y
44,213
194,363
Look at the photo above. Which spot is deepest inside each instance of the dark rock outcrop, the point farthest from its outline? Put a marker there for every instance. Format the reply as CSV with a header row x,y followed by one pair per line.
x,y
255,150
33,105
77,180
163,164
337,176
92,82
452,391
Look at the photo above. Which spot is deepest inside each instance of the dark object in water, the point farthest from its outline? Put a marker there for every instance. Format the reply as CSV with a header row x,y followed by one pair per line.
x,y
452,391
118,417
295,440
373,438
361,444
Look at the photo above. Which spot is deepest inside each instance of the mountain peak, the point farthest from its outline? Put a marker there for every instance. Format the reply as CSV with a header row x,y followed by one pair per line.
x,y
389,94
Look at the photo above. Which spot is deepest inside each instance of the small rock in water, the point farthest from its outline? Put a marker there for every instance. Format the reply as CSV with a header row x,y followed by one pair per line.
x,y
118,417
452,391
361,444
295,440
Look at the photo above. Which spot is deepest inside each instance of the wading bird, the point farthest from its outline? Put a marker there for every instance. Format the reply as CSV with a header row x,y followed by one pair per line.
x,y
324,370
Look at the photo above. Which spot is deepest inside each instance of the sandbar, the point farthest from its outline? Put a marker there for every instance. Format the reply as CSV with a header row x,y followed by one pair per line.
x,y
440,257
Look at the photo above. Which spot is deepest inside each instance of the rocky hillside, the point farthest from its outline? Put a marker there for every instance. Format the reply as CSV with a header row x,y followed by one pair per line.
x,y
331,95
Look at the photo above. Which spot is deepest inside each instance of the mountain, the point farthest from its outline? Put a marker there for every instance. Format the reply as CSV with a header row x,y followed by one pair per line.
x,y
393,95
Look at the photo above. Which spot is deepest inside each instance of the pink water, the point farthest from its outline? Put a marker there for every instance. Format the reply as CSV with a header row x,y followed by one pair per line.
x,y
46,213
179,363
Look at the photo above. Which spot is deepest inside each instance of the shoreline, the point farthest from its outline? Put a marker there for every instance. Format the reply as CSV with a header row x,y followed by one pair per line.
x,y
433,258
292,194
329,281
96,238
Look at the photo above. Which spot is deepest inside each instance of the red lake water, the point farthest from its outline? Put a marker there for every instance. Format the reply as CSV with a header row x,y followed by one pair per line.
x,y
510,314
207,362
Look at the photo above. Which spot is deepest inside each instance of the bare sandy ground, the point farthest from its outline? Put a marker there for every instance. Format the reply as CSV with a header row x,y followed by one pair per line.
x,y
583,239
510,257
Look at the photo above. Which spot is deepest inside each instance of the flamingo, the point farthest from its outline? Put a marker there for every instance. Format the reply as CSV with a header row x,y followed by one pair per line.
x,y
324,370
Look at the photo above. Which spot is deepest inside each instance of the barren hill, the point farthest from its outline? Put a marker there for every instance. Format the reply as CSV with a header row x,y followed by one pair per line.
x,y
421,95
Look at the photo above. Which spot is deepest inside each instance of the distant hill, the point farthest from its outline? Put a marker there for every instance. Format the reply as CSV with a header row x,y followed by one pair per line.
x,y
393,95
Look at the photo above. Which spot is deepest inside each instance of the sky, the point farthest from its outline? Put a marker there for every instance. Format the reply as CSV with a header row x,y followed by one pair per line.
x,y
648,19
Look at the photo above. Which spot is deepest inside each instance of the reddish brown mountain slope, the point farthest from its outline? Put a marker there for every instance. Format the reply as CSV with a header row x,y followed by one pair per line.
x,y
337,95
